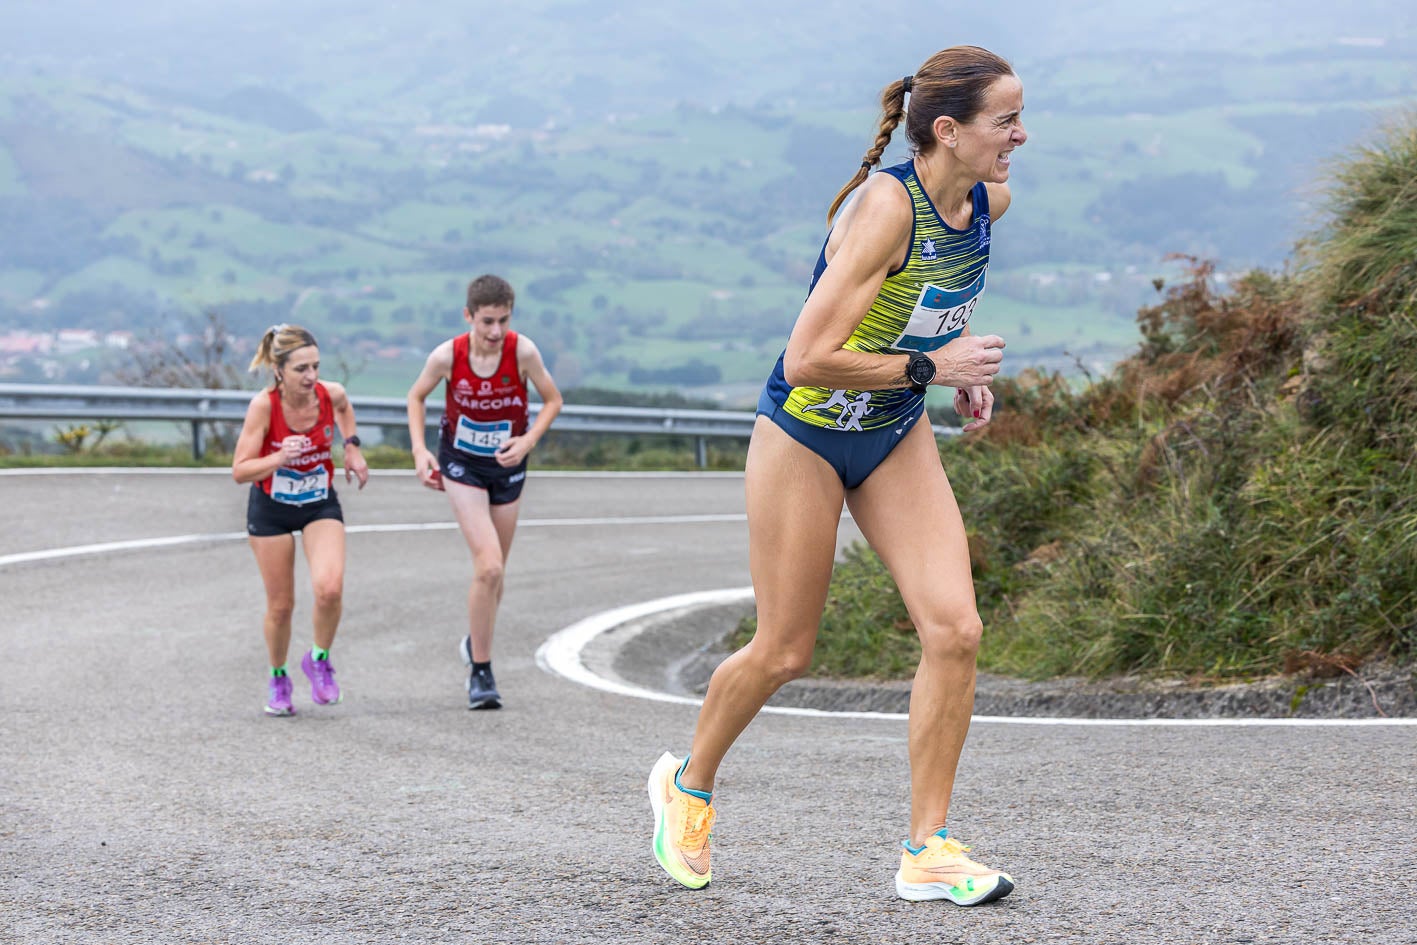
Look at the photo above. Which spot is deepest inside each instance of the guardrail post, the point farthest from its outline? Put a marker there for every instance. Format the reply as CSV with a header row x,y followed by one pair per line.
x,y
701,448
199,440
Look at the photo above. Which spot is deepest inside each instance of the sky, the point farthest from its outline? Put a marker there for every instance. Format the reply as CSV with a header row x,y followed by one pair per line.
x,y
734,51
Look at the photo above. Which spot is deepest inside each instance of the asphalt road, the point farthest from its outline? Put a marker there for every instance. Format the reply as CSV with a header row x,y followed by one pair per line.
x,y
144,797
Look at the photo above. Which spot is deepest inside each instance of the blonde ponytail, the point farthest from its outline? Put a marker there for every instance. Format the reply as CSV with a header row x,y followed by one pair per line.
x,y
277,345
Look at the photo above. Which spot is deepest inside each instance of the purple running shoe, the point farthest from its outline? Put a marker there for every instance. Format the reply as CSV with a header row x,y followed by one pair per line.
x,y
321,673
279,701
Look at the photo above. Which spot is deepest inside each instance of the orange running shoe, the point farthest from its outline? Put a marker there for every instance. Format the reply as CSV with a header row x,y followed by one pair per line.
x,y
940,870
682,821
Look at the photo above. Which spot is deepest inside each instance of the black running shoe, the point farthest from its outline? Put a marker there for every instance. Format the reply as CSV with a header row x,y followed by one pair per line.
x,y
482,690
481,687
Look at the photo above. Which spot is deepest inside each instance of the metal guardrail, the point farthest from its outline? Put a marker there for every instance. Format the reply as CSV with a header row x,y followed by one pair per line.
x,y
200,407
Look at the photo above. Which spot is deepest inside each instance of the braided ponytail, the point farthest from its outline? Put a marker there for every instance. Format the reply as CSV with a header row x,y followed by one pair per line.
x,y
952,82
892,114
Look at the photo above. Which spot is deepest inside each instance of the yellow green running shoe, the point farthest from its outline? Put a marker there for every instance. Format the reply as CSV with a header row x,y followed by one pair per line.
x,y
682,821
940,870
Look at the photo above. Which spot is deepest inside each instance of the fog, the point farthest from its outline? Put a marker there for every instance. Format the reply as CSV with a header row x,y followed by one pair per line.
x,y
655,173
585,56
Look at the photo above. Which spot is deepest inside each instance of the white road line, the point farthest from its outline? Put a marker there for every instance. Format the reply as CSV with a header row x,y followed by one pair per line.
x,y
706,519
139,544
108,547
561,656
124,470
561,653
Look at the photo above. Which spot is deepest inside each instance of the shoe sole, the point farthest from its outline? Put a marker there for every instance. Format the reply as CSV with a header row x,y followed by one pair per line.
x,y
930,892
314,697
278,713
320,702
656,803
492,703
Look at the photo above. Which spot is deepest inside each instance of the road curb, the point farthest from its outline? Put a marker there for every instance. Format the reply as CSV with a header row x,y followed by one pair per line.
x,y
671,648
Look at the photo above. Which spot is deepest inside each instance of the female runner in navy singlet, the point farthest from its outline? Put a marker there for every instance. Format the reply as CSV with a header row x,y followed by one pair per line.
x,y
482,452
285,451
841,419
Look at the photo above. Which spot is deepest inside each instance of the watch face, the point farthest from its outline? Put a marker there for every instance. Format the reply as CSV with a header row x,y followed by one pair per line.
x,y
921,370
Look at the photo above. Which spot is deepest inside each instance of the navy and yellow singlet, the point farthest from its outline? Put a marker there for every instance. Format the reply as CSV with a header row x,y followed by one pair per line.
x,y
922,306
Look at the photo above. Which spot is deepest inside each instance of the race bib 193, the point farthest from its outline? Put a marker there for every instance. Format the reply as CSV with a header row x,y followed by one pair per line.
x,y
939,316
293,487
481,439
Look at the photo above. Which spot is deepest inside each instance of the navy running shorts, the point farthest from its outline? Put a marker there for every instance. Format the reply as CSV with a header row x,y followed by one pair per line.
x,y
853,454
503,484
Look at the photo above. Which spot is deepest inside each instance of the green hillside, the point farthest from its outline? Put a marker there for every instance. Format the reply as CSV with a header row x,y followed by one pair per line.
x,y
657,212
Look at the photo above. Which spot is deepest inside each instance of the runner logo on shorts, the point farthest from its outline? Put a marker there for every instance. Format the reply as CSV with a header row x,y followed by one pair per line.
x,y
851,409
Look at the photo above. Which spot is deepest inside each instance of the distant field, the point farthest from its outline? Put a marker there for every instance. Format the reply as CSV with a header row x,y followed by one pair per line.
x,y
19,286
378,378
650,240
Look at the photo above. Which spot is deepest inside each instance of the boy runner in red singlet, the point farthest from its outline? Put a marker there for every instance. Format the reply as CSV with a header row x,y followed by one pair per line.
x,y
483,444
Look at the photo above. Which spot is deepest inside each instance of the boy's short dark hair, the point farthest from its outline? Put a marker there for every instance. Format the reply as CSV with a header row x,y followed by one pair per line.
x,y
489,290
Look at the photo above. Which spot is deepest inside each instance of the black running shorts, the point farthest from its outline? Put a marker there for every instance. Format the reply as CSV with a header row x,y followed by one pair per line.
x,y
266,517
502,483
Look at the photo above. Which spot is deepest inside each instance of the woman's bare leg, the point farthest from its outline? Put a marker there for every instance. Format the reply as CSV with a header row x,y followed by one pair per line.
x,y
794,509
323,541
275,558
907,511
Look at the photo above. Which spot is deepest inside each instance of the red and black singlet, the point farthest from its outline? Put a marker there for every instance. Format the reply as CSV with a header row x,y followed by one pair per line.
x,y
482,413
307,479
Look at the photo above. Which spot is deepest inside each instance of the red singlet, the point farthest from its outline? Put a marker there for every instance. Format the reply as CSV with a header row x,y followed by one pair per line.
x,y
482,413
307,479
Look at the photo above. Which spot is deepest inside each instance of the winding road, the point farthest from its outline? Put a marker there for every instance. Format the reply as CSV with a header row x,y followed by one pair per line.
x,y
144,797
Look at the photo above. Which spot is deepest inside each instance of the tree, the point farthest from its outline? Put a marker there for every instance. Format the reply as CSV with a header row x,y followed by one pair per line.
x,y
202,357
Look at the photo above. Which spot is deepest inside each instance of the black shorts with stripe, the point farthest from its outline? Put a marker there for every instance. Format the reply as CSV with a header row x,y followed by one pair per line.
x,y
503,484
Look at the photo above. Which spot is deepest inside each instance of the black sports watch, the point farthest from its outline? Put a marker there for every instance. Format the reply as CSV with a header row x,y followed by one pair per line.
x,y
352,440
919,371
